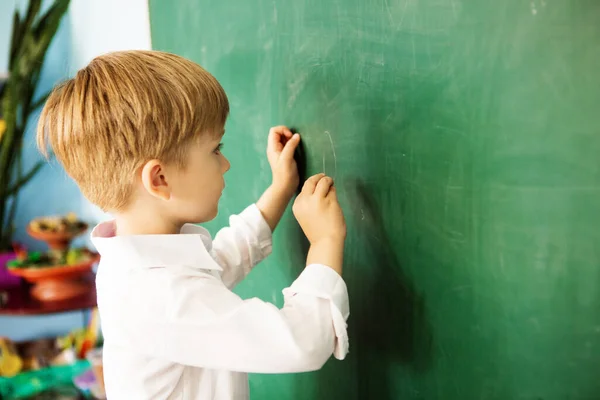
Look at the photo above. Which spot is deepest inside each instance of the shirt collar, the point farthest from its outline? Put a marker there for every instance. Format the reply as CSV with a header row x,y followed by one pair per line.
x,y
192,247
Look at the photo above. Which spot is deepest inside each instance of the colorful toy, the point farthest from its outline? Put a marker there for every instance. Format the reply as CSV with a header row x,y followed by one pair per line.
x,y
10,362
82,340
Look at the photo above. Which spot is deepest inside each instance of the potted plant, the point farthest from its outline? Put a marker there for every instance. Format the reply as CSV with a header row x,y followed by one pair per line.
x,y
31,36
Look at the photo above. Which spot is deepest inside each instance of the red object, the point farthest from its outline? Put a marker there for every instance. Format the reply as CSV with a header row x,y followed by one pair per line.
x,y
20,251
85,347
20,301
58,283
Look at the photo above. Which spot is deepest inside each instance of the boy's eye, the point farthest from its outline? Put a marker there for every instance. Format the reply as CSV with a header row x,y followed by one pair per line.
x,y
219,148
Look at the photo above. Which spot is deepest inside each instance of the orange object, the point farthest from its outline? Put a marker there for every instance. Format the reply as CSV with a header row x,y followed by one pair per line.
x,y
58,282
86,346
91,333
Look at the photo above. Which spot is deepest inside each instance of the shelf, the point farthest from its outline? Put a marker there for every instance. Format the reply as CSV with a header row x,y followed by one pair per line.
x,y
20,302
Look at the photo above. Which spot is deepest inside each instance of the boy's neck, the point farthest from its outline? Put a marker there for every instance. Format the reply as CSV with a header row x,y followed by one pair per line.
x,y
145,222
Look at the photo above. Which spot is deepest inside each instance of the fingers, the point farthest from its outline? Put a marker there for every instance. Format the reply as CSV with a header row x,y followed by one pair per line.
x,y
281,130
278,138
274,142
290,147
323,186
332,194
311,183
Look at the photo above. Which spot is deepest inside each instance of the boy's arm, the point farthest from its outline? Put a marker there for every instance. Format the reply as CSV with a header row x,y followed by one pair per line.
x,y
238,247
272,205
208,326
248,239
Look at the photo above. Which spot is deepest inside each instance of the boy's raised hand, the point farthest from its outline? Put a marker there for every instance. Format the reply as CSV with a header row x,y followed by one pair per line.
x,y
319,214
280,153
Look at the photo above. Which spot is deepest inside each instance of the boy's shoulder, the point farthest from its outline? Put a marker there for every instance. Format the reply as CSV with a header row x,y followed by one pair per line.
x,y
192,247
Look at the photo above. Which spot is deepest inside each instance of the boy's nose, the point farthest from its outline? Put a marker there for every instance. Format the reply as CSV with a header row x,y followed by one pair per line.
x,y
226,165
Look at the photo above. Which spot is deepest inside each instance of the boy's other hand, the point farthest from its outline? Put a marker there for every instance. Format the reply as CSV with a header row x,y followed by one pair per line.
x,y
319,214
280,153
318,211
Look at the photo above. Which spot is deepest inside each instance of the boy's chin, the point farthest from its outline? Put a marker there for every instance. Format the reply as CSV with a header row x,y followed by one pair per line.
x,y
206,216
214,214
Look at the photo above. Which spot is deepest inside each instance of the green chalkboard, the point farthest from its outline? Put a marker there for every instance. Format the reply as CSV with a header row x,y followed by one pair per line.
x,y
464,137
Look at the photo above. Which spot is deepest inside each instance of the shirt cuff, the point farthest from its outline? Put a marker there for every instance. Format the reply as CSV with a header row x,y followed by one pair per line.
x,y
261,230
323,282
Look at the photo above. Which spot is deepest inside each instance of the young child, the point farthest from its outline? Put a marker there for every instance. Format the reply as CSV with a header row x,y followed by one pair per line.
x,y
139,132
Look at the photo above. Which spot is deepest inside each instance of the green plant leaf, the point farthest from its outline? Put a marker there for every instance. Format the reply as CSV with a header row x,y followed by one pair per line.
x,y
30,40
52,16
32,11
24,179
15,38
40,102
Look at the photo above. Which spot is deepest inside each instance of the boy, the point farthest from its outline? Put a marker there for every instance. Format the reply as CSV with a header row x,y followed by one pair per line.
x,y
139,132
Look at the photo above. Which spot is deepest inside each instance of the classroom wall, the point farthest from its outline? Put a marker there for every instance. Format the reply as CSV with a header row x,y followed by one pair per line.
x,y
90,28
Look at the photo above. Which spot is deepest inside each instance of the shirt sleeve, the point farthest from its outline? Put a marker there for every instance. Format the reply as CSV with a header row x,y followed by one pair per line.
x,y
243,244
211,327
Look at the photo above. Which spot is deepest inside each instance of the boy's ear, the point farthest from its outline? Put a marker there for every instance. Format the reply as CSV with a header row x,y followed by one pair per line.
x,y
154,180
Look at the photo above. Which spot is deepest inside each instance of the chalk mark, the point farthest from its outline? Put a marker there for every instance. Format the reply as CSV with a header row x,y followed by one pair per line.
x,y
533,9
403,15
334,156
387,6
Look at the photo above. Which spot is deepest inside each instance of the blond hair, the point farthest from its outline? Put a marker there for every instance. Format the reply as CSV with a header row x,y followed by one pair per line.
x,y
124,109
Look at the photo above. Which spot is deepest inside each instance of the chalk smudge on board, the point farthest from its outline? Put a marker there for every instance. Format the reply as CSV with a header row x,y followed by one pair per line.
x,y
334,155
533,8
295,87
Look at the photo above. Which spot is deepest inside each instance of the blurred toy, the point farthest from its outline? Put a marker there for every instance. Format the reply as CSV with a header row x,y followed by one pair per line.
x,y
92,380
84,339
73,340
94,356
91,334
10,362
33,355
39,353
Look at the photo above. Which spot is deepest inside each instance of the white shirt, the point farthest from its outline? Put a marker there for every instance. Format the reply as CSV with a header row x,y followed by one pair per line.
x,y
174,330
